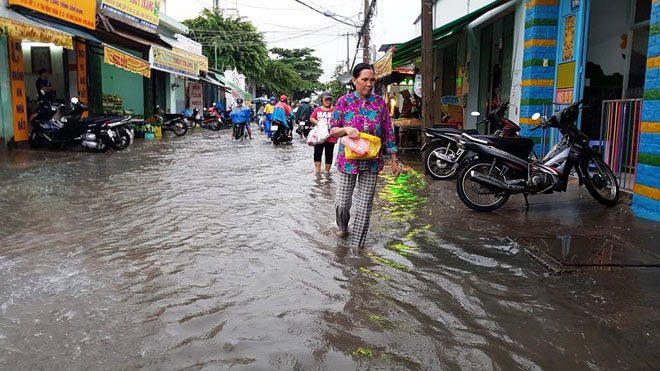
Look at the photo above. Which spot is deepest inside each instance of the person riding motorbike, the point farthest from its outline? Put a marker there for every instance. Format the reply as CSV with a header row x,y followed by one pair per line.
x,y
238,108
268,111
287,111
304,111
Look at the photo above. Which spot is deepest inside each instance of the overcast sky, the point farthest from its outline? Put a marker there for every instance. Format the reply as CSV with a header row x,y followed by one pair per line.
x,y
288,24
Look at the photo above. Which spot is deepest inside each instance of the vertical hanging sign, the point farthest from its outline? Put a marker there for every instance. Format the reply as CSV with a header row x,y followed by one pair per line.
x,y
17,82
81,64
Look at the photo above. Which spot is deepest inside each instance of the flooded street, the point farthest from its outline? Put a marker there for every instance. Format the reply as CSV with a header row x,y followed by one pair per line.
x,y
198,253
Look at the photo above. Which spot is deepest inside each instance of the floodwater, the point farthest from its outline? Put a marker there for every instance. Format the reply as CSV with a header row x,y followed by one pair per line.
x,y
198,253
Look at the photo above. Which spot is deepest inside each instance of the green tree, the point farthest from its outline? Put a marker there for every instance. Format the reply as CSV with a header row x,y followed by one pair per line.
x,y
280,79
236,42
306,65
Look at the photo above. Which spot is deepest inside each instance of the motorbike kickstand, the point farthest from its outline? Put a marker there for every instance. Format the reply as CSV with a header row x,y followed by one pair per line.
x,y
526,201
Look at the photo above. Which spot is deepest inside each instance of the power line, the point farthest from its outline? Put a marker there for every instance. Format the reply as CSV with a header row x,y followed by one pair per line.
x,y
327,13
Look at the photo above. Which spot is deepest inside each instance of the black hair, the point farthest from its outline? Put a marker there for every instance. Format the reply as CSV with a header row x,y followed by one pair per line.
x,y
41,71
361,67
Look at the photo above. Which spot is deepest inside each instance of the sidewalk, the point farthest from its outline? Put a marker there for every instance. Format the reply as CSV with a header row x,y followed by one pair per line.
x,y
564,232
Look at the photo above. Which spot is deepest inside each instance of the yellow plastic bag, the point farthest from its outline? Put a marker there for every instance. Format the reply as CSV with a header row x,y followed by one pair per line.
x,y
372,153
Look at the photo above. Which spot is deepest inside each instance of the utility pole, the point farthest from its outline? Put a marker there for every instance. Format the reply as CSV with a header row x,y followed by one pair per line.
x,y
427,65
348,53
366,58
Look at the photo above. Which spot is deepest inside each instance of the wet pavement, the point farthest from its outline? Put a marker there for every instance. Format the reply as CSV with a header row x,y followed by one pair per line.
x,y
198,253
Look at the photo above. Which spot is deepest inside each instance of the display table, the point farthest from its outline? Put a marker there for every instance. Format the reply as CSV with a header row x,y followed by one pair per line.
x,y
408,132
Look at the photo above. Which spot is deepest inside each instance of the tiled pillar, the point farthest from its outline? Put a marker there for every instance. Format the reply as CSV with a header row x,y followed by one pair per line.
x,y
646,200
538,63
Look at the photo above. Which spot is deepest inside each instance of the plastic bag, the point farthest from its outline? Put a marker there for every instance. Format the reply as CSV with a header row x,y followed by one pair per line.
x,y
367,147
322,131
313,138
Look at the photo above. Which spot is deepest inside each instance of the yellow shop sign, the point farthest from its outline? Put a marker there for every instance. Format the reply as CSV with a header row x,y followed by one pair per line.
x,y
80,12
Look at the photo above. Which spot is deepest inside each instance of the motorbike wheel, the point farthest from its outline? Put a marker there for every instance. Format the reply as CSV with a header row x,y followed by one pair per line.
x,y
105,143
437,168
476,196
179,129
36,140
600,182
123,141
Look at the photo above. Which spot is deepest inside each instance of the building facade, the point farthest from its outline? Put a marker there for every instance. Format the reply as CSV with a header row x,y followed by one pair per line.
x,y
606,54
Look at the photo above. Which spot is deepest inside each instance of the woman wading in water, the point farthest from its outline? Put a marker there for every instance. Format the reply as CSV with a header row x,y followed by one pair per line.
x,y
360,112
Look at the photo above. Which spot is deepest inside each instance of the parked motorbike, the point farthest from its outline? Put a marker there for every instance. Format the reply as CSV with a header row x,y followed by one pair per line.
x,y
304,128
95,133
442,157
486,183
173,122
189,119
209,122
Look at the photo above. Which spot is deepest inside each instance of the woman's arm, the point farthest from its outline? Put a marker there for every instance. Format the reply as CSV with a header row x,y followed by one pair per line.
x,y
338,127
342,132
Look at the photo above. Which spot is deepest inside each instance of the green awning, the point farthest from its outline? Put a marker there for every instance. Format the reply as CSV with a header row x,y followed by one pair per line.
x,y
218,76
410,50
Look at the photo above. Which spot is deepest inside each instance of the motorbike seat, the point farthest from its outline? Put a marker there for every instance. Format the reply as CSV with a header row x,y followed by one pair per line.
x,y
519,147
450,130
170,116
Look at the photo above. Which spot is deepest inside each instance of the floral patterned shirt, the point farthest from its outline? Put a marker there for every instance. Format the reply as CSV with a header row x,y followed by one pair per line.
x,y
369,116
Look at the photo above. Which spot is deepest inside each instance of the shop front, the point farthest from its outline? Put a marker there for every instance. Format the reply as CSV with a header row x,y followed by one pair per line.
x,y
473,59
122,74
603,53
183,76
128,30
26,47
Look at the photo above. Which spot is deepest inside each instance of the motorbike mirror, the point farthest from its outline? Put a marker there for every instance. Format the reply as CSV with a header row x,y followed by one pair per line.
x,y
74,100
536,116
475,114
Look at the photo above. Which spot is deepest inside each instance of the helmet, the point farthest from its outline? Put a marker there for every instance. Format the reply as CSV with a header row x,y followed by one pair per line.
x,y
326,94
239,100
272,99
307,100
283,98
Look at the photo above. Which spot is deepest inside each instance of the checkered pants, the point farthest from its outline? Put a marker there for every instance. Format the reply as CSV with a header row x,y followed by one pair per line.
x,y
366,189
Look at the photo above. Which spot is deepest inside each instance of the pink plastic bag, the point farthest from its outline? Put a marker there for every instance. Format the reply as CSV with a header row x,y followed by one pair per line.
x,y
359,146
313,138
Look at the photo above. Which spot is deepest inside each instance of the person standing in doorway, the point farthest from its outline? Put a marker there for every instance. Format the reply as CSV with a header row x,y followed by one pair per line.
x,y
45,89
354,113
323,114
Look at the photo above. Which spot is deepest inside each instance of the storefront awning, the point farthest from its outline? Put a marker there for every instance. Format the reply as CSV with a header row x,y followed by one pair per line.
x,y
169,61
178,47
409,50
383,66
221,78
70,30
212,81
16,25
126,61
